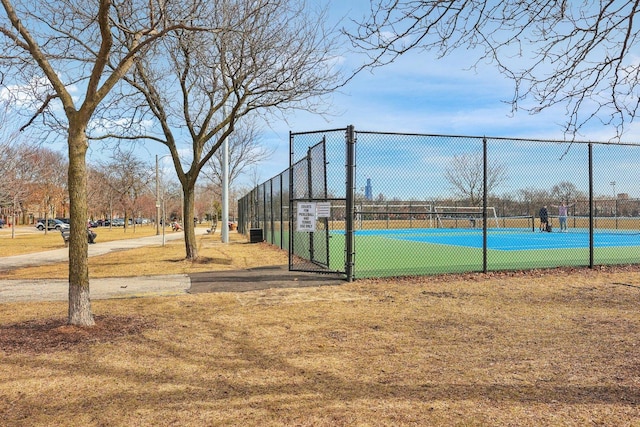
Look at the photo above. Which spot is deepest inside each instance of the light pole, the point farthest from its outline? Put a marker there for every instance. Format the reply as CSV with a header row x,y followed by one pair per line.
x,y
613,184
224,231
157,199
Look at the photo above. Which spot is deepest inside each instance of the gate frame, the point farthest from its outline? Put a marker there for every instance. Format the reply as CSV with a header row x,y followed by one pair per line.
x,y
349,203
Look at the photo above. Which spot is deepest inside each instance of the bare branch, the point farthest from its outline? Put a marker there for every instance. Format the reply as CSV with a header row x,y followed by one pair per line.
x,y
44,106
579,55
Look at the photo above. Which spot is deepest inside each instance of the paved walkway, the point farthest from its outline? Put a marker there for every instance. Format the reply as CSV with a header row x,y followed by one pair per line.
x,y
99,248
130,287
57,289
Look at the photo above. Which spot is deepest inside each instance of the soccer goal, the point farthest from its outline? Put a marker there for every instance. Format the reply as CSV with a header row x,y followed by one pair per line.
x,y
459,216
381,215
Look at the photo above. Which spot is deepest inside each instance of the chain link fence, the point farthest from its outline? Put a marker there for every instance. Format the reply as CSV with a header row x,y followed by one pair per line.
x,y
372,204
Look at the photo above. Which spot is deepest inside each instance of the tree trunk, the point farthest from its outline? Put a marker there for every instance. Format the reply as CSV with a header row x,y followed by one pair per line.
x,y
188,226
79,299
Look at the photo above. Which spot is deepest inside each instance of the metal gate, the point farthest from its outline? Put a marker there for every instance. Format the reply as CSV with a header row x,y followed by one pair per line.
x,y
309,248
316,214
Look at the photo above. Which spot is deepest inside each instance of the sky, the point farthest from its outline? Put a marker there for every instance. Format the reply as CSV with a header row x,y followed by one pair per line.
x,y
419,93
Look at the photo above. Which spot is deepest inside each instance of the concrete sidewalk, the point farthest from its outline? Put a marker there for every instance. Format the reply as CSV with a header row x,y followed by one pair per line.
x,y
117,287
99,248
114,287
163,285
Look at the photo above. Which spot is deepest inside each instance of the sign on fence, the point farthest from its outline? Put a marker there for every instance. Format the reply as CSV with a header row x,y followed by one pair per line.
x,y
323,209
306,217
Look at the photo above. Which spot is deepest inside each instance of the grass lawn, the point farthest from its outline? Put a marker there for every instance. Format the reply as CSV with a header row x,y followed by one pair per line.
x,y
28,239
526,349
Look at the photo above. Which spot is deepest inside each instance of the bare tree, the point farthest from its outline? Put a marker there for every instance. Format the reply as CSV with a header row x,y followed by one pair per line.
x,y
245,151
49,175
98,192
20,171
533,198
567,191
466,175
65,57
128,178
274,56
6,166
580,55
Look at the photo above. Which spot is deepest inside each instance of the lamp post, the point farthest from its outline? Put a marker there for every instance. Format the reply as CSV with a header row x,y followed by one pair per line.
x,y
224,231
157,199
613,184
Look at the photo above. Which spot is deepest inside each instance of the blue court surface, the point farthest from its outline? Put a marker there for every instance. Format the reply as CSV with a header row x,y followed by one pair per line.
x,y
511,240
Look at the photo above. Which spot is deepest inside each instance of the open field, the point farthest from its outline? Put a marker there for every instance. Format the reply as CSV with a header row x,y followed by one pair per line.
x,y
524,350
543,347
154,260
28,239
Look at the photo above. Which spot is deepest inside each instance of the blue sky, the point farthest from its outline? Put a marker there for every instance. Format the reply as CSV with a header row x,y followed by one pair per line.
x,y
418,93
421,94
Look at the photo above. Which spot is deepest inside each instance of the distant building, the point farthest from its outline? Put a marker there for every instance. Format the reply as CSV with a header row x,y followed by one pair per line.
x,y
368,190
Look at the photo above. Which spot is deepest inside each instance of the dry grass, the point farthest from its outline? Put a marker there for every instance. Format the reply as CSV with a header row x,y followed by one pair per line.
x,y
506,349
524,351
29,240
169,259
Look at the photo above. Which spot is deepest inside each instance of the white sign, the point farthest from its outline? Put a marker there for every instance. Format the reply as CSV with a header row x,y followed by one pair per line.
x,y
306,217
323,209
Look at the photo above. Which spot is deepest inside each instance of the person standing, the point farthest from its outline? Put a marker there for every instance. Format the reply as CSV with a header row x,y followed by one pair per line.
x,y
562,215
544,218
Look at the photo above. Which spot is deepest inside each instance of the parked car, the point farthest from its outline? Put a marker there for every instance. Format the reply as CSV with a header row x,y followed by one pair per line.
x,y
52,224
117,222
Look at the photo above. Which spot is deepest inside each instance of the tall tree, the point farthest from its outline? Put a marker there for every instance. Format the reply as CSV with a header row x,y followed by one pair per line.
x,y
567,191
245,150
22,171
128,178
466,175
533,199
579,55
271,55
70,54
50,170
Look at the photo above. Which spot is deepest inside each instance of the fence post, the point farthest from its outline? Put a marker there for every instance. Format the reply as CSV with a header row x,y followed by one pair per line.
x,y
484,206
590,205
312,255
272,219
290,249
282,211
349,204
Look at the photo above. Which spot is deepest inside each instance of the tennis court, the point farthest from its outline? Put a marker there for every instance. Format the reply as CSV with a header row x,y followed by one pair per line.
x,y
415,204
510,240
397,252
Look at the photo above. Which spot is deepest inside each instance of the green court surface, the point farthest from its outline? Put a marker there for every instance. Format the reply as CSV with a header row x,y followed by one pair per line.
x,y
380,253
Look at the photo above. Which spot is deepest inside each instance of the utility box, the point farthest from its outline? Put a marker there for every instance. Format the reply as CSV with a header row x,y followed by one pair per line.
x,y
255,235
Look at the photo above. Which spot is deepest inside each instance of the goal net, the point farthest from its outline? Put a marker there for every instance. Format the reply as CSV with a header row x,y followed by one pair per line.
x,y
452,216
